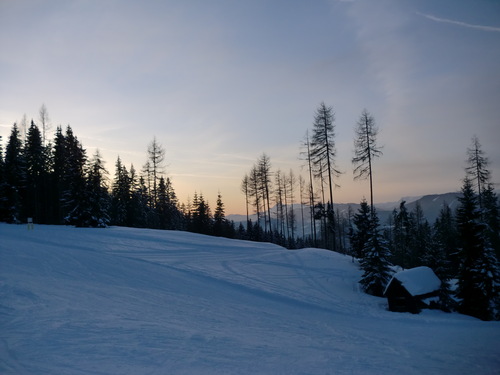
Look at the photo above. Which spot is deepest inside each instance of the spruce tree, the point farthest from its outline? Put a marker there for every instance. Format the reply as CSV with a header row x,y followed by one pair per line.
x,y
445,239
219,217
121,195
167,209
489,277
478,281
1,160
139,204
58,181
201,218
241,232
15,176
96,210
73,183
204,216
375,263
491,217
175,216
35,203
3,192
436,257
401,236
360,234
420,236
162,204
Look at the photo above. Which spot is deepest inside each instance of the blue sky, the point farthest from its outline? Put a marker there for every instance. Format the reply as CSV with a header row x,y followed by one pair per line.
x,y
220,82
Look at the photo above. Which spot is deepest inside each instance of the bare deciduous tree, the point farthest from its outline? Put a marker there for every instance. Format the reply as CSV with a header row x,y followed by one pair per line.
x,y
477,168
365,150
264,171
245,189
155,166
323,153
44,122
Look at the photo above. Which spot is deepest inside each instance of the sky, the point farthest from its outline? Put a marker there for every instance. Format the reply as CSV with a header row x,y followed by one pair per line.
x,y
218,83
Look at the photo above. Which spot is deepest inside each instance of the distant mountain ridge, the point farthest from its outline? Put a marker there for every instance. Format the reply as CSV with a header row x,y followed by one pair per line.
x,y
431,206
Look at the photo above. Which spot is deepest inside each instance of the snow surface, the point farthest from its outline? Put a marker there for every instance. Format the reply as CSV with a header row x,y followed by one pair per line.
x,y
418,281
138,301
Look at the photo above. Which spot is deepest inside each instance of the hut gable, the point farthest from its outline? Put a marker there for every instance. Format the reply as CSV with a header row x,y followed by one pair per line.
x,y
408,290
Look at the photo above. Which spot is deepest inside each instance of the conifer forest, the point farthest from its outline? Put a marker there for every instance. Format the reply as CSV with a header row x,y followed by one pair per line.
x,y
52,179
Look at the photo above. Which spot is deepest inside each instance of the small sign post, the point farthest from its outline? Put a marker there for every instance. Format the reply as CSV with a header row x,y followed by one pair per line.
x,y
30,223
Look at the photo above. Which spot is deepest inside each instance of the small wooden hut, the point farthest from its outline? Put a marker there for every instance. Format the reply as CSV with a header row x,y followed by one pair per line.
x,y
412,290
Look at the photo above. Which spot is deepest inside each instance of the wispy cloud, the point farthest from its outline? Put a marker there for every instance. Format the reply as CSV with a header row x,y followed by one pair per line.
x,y
460,23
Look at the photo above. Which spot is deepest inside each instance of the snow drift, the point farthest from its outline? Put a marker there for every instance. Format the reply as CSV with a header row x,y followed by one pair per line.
x,y
136,301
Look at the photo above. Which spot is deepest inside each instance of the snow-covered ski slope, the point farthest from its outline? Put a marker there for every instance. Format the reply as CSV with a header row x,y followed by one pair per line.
x,y
138,301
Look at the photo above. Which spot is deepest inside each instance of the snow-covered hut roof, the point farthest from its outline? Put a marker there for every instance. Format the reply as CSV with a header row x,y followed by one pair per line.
x,y
418,281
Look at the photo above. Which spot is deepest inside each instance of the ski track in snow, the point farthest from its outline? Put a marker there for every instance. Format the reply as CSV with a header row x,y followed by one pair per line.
x,y
140,301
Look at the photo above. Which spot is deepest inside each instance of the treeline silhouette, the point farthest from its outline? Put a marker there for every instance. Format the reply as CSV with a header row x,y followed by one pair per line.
x,y
57,183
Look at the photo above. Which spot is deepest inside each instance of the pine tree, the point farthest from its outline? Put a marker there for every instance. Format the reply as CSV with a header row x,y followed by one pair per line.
x,y
375,263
